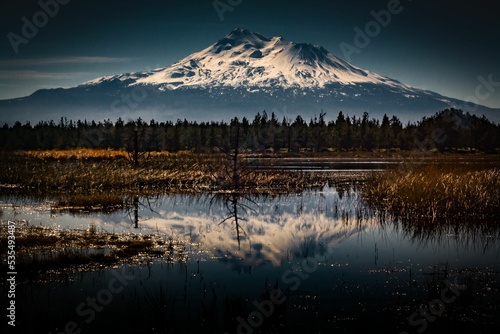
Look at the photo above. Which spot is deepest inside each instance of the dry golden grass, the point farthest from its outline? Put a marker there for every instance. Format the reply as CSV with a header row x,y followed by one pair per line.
x,y
437,190
96,170
84,153
89,171
88,153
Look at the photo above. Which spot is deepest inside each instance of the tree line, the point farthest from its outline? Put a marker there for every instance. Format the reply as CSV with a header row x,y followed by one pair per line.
x,y
446,130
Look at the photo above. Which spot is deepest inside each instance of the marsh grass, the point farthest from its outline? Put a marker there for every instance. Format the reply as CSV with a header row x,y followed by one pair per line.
x,y
41,248
99,170
465,191
92,171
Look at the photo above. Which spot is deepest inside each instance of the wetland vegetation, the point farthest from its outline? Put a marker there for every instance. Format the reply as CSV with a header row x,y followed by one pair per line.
x,y
437,190
429,195
357,222
45,252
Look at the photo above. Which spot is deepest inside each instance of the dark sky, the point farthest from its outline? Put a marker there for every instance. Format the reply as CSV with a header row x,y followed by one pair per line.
x,y
444,46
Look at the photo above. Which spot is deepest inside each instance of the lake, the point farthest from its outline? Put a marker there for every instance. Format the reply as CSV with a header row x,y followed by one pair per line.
x,y
320,261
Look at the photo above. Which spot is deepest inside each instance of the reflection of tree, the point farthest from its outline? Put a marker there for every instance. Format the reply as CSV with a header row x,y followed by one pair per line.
x,y
271,236
234,207
134,205
465,232
136,211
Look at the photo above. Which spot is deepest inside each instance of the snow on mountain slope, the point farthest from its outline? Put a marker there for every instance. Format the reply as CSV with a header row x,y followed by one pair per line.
x,y
247,59
241,74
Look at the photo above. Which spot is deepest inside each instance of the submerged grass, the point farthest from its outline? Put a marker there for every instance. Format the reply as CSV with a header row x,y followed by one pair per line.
x,y
39,249
106,202
437,191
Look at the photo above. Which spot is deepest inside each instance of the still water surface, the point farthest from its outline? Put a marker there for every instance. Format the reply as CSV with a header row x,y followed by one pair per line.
x,y
333,264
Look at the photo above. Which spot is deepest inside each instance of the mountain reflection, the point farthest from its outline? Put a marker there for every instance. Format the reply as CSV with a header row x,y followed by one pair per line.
x,y
247,231
244,231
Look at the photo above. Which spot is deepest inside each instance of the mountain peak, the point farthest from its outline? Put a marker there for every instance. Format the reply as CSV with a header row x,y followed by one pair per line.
x,y
239,37
240,33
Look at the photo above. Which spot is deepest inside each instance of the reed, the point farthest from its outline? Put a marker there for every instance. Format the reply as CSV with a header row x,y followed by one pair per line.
x,y
436,191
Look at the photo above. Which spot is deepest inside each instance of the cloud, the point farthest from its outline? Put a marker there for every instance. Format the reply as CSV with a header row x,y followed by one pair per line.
x,y
62,60
37,75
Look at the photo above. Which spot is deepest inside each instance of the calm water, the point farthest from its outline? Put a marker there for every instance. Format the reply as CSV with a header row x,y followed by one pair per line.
x,y
322,165
316,262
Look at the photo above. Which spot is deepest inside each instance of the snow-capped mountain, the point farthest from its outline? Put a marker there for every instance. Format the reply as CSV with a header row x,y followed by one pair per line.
x,y
242,74
247,59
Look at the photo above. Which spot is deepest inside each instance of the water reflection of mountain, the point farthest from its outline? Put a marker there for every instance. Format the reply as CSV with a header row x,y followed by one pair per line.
x,y
267,230
272,230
